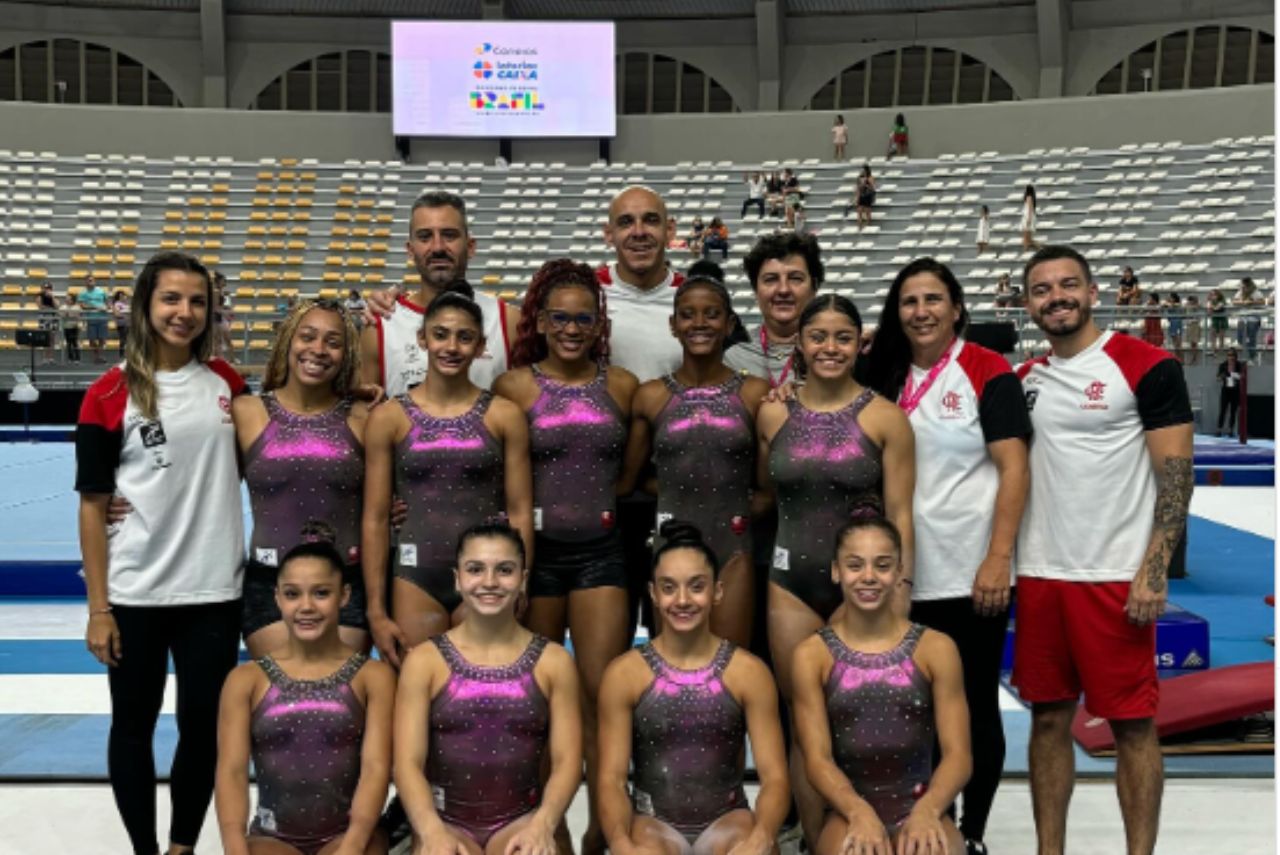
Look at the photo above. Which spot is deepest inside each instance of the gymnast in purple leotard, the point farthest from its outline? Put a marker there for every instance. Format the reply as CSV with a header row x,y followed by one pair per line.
x,y
315,717
870,692
697,425
677,710
480,709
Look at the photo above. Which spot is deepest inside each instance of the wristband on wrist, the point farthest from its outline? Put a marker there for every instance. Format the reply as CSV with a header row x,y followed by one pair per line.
x,y
102,611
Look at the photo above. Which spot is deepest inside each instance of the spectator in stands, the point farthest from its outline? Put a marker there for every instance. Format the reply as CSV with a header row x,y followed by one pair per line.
x,y
48,304
839,137
984,229
222,316
716,237
355,306
93,300
865,196
899,138
1004,294
773,194
120,312
1249,322
1231,375
1173,310
801,221
1152,330
1217,306
1129,293
755,194
1194,313
72,315
697,234
792,195
674,240
1027,225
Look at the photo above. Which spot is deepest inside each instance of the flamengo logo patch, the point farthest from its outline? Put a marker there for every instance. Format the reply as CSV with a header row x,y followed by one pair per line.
x,y
951,406
1094,394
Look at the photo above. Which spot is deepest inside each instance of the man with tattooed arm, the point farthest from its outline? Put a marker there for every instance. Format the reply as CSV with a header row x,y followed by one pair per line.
x,y
1111,481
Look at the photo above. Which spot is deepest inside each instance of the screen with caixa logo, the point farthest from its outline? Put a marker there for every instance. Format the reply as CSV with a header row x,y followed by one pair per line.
x,y
502,79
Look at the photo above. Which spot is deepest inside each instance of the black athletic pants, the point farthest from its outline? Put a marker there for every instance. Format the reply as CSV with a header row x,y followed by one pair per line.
x,y
204,641
981,644
1228,404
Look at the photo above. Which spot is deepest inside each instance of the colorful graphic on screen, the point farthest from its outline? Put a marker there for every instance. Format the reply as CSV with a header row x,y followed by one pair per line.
x,y
502,79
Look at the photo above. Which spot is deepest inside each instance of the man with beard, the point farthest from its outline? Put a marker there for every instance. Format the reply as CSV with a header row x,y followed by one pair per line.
x,y
1111,479
785,270
639,286
391,353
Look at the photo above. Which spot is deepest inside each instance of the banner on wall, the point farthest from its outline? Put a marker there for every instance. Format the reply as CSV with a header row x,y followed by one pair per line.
x,y
502,79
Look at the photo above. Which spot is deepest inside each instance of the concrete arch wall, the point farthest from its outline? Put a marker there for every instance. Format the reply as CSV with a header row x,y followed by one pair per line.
x,y
1105,48
814,66
739,90
162,58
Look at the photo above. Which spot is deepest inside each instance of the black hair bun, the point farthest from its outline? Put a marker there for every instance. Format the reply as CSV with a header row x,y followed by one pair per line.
x,y
319,531
460,286
680,533
705,269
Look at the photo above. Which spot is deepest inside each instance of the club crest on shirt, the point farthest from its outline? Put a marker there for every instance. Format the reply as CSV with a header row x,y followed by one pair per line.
x,y
224,404
1094,394
951,406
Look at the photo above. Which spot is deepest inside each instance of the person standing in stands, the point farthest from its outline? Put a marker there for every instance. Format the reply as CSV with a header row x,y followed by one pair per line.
x,y
96,312
839,137
1111,481
1231,377
755,194
120,313
1027,223
158,431
899,137
71,322
966,407
392,355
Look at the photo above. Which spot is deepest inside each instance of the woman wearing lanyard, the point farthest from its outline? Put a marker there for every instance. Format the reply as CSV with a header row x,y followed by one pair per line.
x,y
970,419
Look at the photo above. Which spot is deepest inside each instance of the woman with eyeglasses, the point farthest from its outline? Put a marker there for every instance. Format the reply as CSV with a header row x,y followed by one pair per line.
x,y
458,456
698,426
302,450
578,408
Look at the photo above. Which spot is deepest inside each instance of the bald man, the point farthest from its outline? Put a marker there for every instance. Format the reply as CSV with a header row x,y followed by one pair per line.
x,y
640,286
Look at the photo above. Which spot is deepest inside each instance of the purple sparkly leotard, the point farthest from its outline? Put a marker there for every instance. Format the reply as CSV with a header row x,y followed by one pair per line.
x,y
824,468
576,439
704,448
303,468
450,473
880,708
489,731
306,740
686,744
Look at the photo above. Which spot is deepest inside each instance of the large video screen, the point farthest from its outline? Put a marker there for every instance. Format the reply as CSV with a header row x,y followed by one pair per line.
x,y
502,79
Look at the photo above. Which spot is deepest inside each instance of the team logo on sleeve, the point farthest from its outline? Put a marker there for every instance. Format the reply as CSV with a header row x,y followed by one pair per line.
x,y
1094,395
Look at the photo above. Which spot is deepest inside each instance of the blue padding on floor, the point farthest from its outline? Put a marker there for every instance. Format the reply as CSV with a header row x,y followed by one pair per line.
x,y
69,747
41,579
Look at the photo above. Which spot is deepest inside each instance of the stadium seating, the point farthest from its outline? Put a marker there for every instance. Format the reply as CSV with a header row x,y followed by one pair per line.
x,y
1187,218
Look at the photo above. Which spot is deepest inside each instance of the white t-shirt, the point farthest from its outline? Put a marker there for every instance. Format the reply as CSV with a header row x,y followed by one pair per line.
x,y
640,338
975,400
1093,490
402,362
183,542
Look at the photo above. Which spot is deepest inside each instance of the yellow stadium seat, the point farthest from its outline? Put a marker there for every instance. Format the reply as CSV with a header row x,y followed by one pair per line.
x,y
102,274
379,247
284,187
253,243
169,229
271,274
331,276
365,203
298,230
209,260
168,244
125,274
217,215
256,230
382,233
81,258
278,230
37,273
216,230
281,202
292,276
364,218
308,176
262,188
191,244
344,203
11,291
129,229
339,231
279,215
218,201
289,161
347,188
193,229
195,215
125,258
103,258
373,277
249,275
352,277
359,246
333,260
128,243
197,201
257,216
293,259
302,202
222,188
104,243
245,292
328,293
173,215
490,279
212,244
297,245
302,216
354,261
337,245
342,216
77,273
251,259
386,218
260,201
306,188
273,259
377,262
275,244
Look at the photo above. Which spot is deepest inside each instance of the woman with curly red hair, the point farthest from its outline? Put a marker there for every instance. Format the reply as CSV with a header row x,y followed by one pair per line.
x,y
578,409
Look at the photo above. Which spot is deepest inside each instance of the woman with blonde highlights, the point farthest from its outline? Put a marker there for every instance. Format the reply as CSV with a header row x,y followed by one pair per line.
x,y
302,447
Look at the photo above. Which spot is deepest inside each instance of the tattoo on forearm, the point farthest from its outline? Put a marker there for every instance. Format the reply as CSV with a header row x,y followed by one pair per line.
x,y
1173,500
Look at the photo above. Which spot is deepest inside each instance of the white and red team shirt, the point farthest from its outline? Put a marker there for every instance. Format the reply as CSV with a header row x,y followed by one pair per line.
x,y
975,400
183,542
402,363
640,338
1093,489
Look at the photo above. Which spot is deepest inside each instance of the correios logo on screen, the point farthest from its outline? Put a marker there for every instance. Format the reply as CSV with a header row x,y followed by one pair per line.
x,y
510,92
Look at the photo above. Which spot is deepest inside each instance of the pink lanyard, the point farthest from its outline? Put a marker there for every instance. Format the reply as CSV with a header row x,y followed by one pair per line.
x,y
911,396
786,368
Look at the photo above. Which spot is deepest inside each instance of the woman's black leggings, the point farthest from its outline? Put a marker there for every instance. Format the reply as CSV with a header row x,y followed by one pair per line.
x,y
204,641
1228,404
981,644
